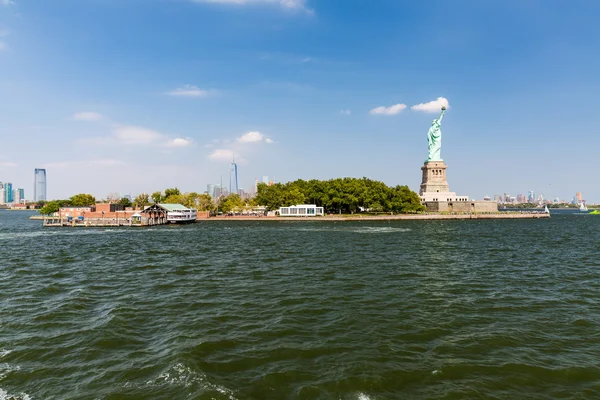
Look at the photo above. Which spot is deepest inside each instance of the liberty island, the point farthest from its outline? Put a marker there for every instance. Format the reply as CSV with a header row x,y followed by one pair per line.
x,y
434,201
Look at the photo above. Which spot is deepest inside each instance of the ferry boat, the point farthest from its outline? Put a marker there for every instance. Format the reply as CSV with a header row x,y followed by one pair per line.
x,y
178,214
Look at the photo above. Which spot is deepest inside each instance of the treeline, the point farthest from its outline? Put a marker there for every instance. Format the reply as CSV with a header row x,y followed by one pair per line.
x,y
199,201
342,195
79,200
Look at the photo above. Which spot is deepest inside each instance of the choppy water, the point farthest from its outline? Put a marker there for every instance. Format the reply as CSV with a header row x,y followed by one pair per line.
x,y
301,310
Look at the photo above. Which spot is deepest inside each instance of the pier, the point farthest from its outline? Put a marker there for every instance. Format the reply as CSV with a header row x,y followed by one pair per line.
x,y
101,223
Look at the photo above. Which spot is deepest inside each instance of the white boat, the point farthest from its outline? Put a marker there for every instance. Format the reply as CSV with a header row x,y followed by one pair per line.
x,y
178,214
583,207
546,210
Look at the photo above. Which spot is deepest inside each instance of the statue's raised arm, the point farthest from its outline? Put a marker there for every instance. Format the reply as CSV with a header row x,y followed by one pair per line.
x,y
442,114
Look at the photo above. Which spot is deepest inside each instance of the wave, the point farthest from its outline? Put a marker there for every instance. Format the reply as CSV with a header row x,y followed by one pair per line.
x,y
362,229
181,375
6,369
4,395
75,232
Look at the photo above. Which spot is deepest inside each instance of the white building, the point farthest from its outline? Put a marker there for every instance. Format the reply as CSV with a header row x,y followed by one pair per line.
x,y
301,210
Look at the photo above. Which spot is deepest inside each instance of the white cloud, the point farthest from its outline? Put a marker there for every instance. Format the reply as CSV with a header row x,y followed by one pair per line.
x,y
87,116
221,155
432,106
7,164
7,2
391,110
251,137
293,5
136,135
179,142
269,141
345,112
139,136
102,162
189,91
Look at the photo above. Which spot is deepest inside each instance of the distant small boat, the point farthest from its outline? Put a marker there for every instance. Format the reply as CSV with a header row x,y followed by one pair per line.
x,y
582,207
546,210
595,212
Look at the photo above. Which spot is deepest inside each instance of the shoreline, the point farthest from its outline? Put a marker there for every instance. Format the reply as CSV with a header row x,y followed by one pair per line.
x,y
419,217
330,218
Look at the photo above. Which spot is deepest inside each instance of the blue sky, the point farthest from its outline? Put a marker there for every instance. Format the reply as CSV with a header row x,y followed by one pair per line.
x,y
133,96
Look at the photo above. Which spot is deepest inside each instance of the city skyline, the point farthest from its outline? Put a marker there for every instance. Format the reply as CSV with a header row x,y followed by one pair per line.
x,y
315,91
217,190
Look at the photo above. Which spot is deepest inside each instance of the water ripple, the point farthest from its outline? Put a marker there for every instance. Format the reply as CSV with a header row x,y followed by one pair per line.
x,y
301,310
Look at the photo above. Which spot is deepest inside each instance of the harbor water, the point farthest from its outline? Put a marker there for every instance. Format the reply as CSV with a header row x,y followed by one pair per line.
x,y
486,309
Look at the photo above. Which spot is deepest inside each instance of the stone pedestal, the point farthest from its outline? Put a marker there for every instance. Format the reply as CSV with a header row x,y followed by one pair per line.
x,y
436,195
434,178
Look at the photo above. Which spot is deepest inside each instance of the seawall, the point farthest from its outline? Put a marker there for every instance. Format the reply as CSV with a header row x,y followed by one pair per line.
x,y
423,217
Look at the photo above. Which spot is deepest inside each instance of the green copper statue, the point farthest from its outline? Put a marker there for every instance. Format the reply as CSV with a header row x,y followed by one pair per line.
x,y
434,136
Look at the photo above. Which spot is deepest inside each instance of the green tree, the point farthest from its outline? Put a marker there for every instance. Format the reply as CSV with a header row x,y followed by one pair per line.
x,y
142,200
230,203
201,202
53,206
172,192
125,202
174,199
157,197
82,200
341,195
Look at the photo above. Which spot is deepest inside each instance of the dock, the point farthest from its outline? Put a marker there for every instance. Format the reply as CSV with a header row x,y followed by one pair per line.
x,y
99,223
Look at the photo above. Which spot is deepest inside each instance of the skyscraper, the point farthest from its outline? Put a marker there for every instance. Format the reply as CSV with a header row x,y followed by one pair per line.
x,y
210,189
18,196
234,171
8,193
39,185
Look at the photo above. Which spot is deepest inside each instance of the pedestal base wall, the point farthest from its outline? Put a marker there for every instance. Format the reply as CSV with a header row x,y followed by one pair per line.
x,y
474,206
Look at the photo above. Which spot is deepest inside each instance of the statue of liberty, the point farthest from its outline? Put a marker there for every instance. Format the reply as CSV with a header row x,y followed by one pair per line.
x,y
434,137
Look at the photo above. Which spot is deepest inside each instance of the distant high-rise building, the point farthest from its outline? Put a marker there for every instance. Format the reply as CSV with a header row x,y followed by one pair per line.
x,y
265,179
220,191
579,197
1,193
234,172
8,193
210,189
18,196
39,185
541,198
531,196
